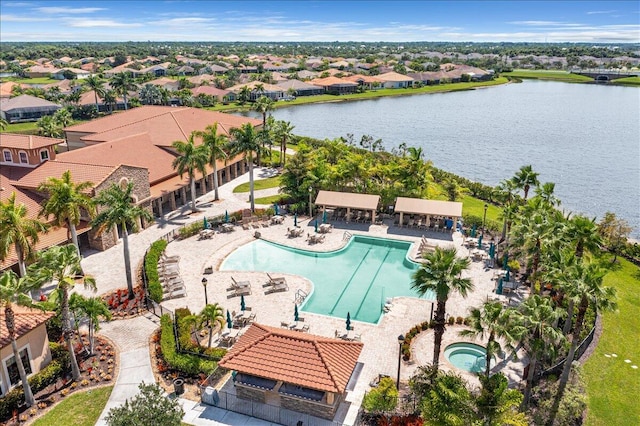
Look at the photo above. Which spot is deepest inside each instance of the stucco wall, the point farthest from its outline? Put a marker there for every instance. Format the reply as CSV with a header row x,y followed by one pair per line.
x,y
38,342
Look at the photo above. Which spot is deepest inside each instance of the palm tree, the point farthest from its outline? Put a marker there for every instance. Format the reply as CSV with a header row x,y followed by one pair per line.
x,y
65,201
123,83
19,231
120,210
215,144
245,141
533,325
73,97
440,273
49,127
546,192
195,324
92,309
95,83
151,95
13,290
283,132
583,232
490,322
190,159
263,105
3,123
213,314
61,264
63,117
587,291
110,98
525,178
244,95
449,402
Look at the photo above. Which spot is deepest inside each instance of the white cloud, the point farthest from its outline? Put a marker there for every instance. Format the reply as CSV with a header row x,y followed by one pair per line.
x,y
68,10
16,18
186,21
601,12
97,23
16,4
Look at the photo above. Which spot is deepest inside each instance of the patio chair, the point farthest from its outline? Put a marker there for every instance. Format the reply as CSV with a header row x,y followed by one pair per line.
x,y
274,281
277,288
238,285
284,324
242,291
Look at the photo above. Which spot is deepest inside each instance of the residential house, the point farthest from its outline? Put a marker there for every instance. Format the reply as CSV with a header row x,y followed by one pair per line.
x,y
33,346
185,70
299,88
430,77
213,69
394,80
335,85
166,83
366,81
221,95
39,71
291,369
270,90
26,108
77,73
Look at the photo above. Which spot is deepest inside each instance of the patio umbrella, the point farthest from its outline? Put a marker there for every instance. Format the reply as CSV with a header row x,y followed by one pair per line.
x,y
473,231
295,219
324,216
499,289
229,322
508,276
296,315
348,321
242,304
205,225
226,216
492,251
275,209
480,242
316,225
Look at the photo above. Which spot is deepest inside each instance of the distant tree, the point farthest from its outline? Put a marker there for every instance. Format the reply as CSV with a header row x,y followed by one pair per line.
x,y
525,178
63,118
95,83
150,94
615,232
49,127
123,83
148,407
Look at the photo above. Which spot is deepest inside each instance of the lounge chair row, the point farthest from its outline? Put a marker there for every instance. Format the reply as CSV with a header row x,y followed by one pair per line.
x,y
275,285
315,238
169,274
239,288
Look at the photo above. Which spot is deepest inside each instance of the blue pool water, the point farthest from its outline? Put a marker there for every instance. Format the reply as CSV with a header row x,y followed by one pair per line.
x,y
467,356
355,279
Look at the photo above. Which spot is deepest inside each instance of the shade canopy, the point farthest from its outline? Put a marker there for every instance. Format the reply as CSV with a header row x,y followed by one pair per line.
x,y
347,200
428,207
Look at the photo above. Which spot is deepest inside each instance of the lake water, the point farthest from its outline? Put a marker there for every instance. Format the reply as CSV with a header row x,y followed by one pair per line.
x,y
583,137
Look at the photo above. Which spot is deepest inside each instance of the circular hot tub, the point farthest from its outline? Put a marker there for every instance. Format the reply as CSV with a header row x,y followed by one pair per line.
x,y
467,356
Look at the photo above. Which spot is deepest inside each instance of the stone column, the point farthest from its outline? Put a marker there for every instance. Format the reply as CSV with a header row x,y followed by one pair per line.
x,y
159,206
183,195
401,218
172,200
373,216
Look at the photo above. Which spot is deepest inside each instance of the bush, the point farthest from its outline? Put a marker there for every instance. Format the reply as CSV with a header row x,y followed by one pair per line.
x,y
191,229
459,320
151,269
190,365
451,320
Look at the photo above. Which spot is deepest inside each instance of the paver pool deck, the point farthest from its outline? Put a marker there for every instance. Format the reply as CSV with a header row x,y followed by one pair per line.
x,y
380,353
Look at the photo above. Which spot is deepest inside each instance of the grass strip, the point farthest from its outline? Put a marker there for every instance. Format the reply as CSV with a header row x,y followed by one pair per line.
x,y
79,409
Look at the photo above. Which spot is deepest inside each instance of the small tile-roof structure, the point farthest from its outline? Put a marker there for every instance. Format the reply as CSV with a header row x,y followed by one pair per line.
x,y
13,140
394,76
347,199
332,81
293,357
428,207
26,320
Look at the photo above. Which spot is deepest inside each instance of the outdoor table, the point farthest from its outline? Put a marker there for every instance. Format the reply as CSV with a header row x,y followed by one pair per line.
x,y
227,227
277,219
325,227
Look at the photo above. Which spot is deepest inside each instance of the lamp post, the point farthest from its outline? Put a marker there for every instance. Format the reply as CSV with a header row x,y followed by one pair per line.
x,y
484,218
204,284
400,341
310,207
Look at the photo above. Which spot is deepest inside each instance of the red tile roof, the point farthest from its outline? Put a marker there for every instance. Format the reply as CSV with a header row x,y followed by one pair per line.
x,y
26,320
12,140
80,172
293,357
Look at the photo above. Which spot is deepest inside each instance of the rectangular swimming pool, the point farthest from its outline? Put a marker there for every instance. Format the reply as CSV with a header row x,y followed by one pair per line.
x,y
355,279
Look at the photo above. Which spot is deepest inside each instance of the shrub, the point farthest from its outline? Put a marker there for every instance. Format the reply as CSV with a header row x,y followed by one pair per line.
x,y
151,269
382,398
191,229
425,325
451,320
459,320
187,364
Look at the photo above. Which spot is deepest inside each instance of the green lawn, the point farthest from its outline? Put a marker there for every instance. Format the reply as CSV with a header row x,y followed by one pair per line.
x,y
627,81
474,206
548,75
612,385
272,182
79,409
270,200
24,128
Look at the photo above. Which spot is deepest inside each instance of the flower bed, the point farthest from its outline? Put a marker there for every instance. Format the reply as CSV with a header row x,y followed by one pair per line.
x,y
121,306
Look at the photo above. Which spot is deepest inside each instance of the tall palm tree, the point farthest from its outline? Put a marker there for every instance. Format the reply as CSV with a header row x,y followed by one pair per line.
x,y
283,132
123,83
61,264
13,291
215,144
533,325
65,202
19,231
245,141
49,127
151,94
525,178
588,291
95,83
119,210
440,273
213,314
92,309
491,322
190,159
63,117
583,232
263,105
244,95
546,192
110,98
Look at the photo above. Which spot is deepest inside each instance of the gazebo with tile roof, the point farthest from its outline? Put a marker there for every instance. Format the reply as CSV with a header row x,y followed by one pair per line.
x,y
294,370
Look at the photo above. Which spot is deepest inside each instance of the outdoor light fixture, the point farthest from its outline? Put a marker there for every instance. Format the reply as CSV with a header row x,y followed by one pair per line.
x,y
484,218
204,284
400,342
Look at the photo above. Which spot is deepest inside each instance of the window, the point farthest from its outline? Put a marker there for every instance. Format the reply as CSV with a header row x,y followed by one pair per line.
x,y
44,155
12,367
23,157
7,156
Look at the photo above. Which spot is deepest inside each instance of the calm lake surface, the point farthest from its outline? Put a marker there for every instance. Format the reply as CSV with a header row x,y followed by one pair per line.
x,y
585,138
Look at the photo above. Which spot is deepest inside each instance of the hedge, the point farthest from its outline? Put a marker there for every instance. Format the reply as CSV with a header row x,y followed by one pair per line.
x,y
190,365
186,342
151,269
45,377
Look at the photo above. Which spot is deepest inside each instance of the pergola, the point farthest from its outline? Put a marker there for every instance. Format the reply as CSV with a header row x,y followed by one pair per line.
x,y
348,200
428,208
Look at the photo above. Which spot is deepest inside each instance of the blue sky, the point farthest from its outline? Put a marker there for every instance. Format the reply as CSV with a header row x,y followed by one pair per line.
x,y
157,20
